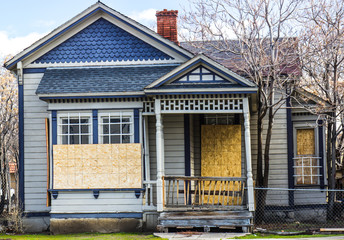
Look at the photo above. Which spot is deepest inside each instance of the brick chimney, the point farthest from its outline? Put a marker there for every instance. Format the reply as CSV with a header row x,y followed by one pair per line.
x,y
167,24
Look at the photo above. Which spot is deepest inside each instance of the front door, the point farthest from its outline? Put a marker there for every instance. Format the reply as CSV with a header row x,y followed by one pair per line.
x,y
221,151
220,157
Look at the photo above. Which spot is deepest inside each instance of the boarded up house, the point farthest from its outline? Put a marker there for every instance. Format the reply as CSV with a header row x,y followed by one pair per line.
x,y
122,128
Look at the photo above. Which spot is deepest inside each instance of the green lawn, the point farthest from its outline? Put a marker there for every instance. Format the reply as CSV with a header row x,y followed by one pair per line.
x,y
262,236
120,236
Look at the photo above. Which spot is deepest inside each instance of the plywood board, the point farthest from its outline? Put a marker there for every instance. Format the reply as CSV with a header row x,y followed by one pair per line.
x,y
305,141
221,151
87,166
221,154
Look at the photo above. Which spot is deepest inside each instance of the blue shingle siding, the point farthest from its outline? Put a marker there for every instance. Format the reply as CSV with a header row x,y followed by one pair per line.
x,y
102,41
105,79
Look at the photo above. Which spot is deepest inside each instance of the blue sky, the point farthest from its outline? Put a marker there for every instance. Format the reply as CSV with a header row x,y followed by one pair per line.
x,y
24,21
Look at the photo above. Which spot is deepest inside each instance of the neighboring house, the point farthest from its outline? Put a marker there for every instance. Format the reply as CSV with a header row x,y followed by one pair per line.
x,y
121,126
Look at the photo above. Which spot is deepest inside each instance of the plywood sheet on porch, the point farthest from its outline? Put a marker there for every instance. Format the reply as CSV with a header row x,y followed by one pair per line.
x,y
221,151
87,166
221,157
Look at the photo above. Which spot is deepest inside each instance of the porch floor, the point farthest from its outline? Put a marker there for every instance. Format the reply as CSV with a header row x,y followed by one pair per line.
x,y
207,220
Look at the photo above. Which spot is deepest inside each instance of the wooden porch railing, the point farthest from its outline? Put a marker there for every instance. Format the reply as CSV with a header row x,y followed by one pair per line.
x,y
203,192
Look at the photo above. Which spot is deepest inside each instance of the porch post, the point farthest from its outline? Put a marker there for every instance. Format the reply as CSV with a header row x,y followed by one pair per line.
x,y
250,194
159,155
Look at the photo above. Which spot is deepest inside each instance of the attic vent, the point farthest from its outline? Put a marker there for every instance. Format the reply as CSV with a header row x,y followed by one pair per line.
x,y
201,75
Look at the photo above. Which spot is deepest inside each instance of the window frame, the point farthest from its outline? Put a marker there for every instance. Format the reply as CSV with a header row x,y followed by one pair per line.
x,y
119,114
318,174
79,115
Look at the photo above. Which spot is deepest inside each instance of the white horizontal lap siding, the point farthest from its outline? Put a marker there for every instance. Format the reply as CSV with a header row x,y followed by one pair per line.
x,y
174,145
35,157
309,197
107,202
278,174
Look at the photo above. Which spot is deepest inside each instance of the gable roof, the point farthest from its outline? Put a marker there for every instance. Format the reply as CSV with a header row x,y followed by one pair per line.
x,y
91,11
102,41
99,81
195,62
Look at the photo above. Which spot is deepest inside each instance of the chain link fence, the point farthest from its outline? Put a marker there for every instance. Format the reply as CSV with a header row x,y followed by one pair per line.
x,y
279,209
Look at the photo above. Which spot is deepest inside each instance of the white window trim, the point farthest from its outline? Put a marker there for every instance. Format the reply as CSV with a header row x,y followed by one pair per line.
x,y
61,115
115,113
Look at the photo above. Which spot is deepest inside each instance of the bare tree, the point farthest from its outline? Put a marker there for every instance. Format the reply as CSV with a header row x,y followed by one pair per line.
x,y
259,31
8,133
322,57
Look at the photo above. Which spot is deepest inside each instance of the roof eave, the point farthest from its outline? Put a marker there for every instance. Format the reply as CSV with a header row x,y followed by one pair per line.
x,y
88,94
200,90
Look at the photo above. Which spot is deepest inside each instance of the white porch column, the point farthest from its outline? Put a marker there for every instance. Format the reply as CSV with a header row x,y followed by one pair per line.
x,y
159,155
250,194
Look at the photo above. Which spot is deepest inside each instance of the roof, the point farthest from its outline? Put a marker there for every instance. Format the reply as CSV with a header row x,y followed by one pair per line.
x,y
234,62
102,41
86,14
201,59
100,79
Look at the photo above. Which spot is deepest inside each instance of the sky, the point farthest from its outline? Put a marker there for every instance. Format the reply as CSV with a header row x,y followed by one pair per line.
x,y
22,22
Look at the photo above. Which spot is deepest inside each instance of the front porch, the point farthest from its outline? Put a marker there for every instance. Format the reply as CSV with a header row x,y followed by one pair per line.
x,y
205,193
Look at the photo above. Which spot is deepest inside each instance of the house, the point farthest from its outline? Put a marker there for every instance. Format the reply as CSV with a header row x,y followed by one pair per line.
x,y
121,128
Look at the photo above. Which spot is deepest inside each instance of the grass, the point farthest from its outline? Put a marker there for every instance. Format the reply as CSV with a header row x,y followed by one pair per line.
x,y
81,236
262,236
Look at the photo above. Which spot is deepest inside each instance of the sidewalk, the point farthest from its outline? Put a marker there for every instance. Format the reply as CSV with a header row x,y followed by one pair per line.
x,y
215,236
212,236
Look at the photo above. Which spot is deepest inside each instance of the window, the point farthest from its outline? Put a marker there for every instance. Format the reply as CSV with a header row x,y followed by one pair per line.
x,y
219,119
306,162
74,128
116,127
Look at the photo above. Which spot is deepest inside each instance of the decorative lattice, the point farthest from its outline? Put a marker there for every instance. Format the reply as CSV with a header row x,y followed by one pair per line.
x,y
203,103
148,106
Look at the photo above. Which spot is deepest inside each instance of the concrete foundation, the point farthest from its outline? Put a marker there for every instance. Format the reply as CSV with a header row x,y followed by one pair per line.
x,y
101,225
36,224
150,221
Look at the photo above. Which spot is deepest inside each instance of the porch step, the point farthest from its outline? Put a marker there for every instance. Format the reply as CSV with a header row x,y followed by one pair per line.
x,y
204,219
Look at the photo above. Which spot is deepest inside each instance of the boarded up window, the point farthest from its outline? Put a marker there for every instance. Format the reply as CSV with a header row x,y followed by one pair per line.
x,y
88,166
306,163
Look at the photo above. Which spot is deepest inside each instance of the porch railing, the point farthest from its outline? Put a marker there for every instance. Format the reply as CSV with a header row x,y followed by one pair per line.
x,y
203,192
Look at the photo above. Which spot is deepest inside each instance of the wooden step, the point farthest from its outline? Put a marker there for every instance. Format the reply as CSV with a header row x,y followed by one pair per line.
x,y
198,223
209,219
206,215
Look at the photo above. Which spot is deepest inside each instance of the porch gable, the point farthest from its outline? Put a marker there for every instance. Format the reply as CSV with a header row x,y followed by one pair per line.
x,y
198,73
